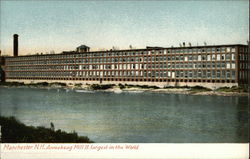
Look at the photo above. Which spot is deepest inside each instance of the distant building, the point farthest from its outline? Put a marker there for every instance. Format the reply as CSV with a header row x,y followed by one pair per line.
x,y
2,63
209,66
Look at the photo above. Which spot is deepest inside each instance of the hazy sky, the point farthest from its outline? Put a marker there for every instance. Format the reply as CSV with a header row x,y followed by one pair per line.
x,y
63,25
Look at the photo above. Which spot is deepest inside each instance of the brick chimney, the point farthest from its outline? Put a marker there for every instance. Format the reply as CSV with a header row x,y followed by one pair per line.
x,y
15,45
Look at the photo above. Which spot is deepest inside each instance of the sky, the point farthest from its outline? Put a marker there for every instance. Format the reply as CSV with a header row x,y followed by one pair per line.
x,y
56,25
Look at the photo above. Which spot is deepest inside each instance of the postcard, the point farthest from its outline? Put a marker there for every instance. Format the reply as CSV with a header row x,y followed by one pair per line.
x,y
124,79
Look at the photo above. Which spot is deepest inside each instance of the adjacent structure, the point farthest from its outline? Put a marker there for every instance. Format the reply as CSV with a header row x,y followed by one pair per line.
x,y
210,66
15,45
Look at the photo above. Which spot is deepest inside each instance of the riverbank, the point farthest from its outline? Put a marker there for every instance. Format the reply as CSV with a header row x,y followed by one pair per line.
x,y
13,131
196,90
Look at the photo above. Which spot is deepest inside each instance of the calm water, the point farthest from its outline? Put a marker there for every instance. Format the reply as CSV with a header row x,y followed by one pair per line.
x,y
131,117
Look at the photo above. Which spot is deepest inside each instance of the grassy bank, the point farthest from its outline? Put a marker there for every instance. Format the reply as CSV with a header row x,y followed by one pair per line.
x,y
13,131
40,84
121,86
101,87
232,89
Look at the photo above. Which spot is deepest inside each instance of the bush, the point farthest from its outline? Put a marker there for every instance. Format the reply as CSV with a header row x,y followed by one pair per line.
x,y
101,87
200,88
121,86
232,89
59,84
141,86
147,87
14,131
41,84
12,83
177,87
78,85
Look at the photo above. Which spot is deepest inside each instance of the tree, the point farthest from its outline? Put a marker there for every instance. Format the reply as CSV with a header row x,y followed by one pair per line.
x,y
52,127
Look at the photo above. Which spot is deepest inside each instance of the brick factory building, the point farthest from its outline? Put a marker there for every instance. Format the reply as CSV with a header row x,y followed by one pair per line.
x,y
208,66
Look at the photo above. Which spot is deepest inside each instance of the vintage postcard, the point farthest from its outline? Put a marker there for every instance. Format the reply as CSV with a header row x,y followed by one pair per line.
x,y
124,79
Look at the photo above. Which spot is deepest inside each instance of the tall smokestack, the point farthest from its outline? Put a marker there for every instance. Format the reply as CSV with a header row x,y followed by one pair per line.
x,y
15,45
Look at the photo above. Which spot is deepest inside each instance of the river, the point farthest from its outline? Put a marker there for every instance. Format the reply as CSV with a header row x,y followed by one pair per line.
x,y
131,117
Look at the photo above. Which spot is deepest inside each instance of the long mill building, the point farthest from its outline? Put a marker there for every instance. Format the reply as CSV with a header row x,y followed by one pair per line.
x,y
210,66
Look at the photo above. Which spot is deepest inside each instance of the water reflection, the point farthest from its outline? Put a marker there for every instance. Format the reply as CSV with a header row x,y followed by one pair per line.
x,y
243,119
127,117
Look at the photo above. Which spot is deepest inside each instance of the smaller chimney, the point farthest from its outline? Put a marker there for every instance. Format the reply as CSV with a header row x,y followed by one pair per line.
x,y
15,45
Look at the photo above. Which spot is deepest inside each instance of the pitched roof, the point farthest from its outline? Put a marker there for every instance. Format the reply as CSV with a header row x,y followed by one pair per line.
x,y
82,47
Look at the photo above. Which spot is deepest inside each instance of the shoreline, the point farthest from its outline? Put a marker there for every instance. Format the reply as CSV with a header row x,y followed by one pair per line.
x,y
178,91
15,131
129,89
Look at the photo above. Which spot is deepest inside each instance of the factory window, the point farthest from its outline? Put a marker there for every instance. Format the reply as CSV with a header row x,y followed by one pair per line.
x,y
213,50
228,57
233,56
208,64
213,64
223,65
233,49
199,74
177,65
173,65
213,74
208,57
199,57
233,74
190,75
222,56
218,74
203,65
164,52
246,57
185,58
204,74
195,74
223,49
165,65
218,57
228,74
208,74
223,74
199,65
213,57
218,64
156,74
181,65
233,65
185,74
